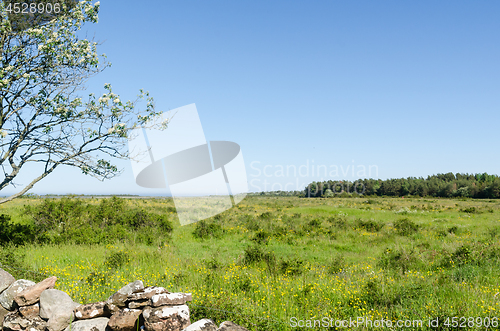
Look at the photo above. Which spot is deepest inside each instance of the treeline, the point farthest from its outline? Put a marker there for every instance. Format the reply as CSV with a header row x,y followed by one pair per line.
x,y
482,186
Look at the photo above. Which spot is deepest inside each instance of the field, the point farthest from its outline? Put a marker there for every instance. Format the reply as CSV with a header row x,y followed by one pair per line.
x,y
273,261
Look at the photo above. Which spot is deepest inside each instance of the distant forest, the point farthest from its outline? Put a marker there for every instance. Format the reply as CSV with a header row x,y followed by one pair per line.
x,y
482,186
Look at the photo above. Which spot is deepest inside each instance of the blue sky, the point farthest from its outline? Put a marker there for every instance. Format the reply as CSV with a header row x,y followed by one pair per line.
x,y
412,88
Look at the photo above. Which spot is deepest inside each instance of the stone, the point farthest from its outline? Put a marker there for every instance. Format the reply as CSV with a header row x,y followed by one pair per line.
x,y
137,304
91,310
57,307
167,318
170,299
30,311
94,324
121,296
202,325
141,298
3,312
111,308
14,321
7,296
146,293
31,294
125,320
230,326
5,280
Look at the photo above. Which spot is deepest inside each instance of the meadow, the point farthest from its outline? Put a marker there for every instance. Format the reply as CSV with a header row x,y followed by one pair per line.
x,y
273,260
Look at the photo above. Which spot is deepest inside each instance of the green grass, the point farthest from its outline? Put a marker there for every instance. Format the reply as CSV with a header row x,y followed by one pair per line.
x,y
277,258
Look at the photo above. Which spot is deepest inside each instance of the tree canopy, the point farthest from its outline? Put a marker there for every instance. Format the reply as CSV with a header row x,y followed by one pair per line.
x,y
440,185
45,118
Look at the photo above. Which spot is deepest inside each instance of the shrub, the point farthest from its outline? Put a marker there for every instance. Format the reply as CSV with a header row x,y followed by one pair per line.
x,y
205,230
397,259
368,225
18,234
470,210
70,220
292,267
255,254
337,222
336,264
261,237
405,227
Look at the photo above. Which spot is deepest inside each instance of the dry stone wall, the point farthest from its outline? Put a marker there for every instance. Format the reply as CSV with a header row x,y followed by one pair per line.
x,y
29,306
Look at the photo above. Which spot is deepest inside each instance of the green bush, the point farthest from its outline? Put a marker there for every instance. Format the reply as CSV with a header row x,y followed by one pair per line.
x,y
70,220
261,237
206,230
18,234
397,259
368,225
291,267
336,264
405,227
255,254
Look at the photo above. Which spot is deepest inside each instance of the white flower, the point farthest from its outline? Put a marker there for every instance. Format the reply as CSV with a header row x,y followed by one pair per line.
x,y
116,100
3,133
111,130
25,75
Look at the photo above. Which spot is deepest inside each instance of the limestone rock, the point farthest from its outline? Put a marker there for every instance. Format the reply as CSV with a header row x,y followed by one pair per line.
x,y
202,325
120,297
5,280
125,320
30,311
7,296
111,308
146,293
56,307
167,318
91,310
3,312
137,304
141,298
230,326
94,324
14,321
31,294
170,299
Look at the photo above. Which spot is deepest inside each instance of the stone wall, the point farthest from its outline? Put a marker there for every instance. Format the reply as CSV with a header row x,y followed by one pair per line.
x,y
29,306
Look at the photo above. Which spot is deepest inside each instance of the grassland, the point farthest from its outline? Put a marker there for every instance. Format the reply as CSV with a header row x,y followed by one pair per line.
x,y
270,259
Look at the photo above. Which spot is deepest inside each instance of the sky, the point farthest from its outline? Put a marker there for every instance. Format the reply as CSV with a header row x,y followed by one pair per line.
x,y
388,88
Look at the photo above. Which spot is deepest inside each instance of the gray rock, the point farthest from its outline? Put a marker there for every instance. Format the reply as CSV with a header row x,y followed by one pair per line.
x,y
230,326
146,293
125,320
94,324
167,318
5,280
31,295
91,310
138,304
7,296
30,311
57,307
3,312
202,325
14,321
121,296
170,299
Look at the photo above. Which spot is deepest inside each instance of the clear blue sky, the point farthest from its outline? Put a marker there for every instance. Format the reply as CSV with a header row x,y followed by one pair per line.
x,y
412,87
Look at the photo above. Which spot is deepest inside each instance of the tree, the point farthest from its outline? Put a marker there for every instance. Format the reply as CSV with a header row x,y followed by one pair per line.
x,y
43,117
